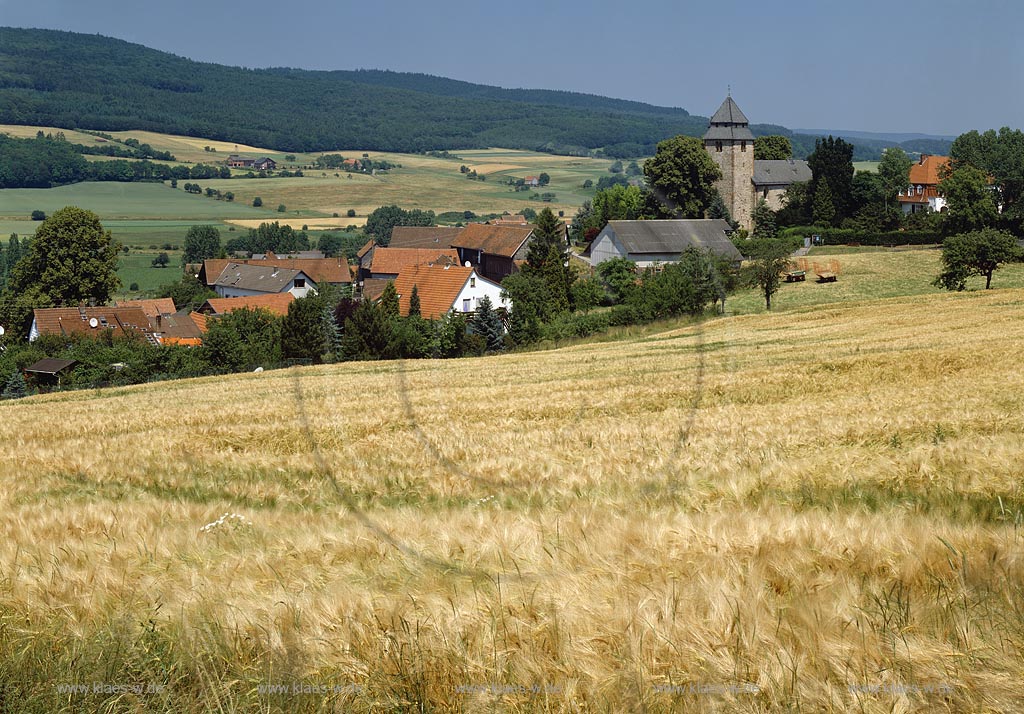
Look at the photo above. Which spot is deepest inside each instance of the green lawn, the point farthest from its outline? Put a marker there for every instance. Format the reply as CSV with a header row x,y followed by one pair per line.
x,y
138,268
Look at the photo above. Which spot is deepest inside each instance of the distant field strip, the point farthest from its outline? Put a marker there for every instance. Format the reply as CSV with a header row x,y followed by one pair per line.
x,y
815,510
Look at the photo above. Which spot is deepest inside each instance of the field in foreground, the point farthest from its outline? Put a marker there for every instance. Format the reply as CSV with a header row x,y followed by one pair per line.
x,y
817,510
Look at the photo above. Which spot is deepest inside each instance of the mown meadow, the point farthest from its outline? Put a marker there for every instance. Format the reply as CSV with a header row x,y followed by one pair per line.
x,y
815,510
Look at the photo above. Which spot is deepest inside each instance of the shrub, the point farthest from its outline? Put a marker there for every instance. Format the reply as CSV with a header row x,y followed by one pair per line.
x,y
38,216
257,202
134,287
351,213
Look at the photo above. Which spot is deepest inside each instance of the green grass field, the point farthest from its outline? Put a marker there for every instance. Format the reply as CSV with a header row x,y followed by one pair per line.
x,y
112,200
866,275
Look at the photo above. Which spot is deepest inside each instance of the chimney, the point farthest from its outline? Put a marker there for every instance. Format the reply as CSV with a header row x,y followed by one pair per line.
x,y
924,157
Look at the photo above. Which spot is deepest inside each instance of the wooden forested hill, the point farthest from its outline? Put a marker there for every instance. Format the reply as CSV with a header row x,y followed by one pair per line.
x,y
72,80
88,81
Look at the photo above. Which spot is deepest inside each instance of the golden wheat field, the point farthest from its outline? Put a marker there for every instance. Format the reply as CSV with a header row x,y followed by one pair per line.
x,y
812,511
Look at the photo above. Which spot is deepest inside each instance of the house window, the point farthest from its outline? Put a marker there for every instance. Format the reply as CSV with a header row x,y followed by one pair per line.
x,y
300,282
920,190
718,146
465,305
743,146
472,282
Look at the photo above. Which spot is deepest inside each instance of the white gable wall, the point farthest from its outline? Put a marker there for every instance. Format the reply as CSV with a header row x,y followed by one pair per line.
x,y
474,289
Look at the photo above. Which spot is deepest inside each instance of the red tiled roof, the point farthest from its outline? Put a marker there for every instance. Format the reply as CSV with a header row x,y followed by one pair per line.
x,y
365,249
76,321
275,303
496,240
436,285
391,261
199,319
153,307
926,170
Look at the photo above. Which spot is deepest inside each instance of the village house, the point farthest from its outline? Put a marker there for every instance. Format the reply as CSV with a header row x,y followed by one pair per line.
x,y
387,263
322,271
923,192
241,280
237,162
494,250
264,163
445,288
92,322
648,243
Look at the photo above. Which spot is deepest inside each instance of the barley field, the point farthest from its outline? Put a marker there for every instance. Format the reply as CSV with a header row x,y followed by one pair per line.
x,y
817,510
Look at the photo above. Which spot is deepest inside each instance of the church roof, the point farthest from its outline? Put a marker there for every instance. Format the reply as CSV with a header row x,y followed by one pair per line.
x,y
728,133
785,171
729,113
728,124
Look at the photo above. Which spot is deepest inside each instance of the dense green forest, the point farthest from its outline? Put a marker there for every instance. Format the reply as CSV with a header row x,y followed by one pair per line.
x,y
73,80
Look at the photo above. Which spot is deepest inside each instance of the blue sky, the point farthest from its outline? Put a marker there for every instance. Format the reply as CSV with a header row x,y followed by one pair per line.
x,y
932,66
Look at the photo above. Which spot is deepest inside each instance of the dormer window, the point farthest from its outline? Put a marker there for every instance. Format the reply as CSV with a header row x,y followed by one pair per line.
x,y
300,282
920,189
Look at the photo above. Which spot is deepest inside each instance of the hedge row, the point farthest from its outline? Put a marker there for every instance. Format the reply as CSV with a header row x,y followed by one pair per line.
x,y
844,236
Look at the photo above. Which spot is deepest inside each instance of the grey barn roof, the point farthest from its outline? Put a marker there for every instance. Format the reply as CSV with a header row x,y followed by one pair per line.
x,y
785,171
675,236
265,279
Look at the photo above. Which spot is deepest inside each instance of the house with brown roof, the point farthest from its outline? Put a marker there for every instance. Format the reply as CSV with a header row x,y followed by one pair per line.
x,y
242,280
923,192
423,236
493,249
152,307
330,271
387,263
92,322
274,303
264,163
445,288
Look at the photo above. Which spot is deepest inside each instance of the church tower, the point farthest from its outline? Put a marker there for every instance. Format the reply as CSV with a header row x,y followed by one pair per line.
x,y
731,145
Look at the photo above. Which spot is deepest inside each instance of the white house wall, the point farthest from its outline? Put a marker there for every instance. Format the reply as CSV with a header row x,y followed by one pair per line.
x,y
474,295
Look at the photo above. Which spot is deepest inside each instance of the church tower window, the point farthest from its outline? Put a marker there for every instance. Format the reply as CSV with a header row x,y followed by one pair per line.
x,y
718,146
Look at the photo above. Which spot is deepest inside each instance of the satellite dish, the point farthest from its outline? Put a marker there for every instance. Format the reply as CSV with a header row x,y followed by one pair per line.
x,y
468,264
93,322
2,331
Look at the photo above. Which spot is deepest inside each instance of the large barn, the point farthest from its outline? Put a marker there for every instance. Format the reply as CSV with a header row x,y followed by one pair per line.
x,y
649,242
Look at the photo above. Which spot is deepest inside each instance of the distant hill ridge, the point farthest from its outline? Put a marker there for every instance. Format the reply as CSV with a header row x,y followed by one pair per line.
x,y
73,80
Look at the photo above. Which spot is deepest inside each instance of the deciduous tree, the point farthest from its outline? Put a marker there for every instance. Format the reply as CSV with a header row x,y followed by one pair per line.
x,y
201,242
72,259
975,253
772,148
681,176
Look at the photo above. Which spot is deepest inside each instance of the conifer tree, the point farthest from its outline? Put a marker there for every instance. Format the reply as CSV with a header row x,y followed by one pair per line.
x,y
488,325
15,388
823,210
414,302
389,302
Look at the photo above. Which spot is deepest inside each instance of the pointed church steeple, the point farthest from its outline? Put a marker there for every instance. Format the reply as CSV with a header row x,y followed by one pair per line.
x,y
729,123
